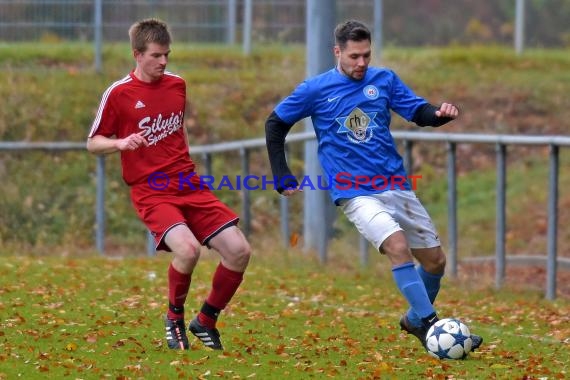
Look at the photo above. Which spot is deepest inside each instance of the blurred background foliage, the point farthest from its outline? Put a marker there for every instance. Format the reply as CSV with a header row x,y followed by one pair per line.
x,y
47,199
446,50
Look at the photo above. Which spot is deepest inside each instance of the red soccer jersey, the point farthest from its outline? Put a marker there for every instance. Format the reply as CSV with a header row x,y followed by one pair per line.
x,y
157,109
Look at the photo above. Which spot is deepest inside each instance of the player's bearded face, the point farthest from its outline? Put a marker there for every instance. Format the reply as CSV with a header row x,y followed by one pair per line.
x,y
152,63
354,59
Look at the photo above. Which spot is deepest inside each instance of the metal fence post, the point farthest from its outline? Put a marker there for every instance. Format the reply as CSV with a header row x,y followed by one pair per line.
x,y
246,202
500,256
247,26
100,205
284,213
377,30
207,159
363,248
150,249
551,264
408,159
318,213
98,34
452,206
519,26
231,22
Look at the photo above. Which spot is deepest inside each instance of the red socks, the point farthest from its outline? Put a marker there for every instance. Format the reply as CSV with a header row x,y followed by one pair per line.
x,y
178,285
224,285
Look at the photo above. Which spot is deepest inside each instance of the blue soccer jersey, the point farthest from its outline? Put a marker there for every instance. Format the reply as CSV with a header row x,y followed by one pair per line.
x,y
351,119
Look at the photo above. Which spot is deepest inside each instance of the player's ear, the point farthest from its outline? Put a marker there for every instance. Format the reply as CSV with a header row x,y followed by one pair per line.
x,y
336,50
136,53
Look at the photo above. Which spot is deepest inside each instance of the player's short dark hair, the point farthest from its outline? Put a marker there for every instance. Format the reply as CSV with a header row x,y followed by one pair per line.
x,y
147,31
351,30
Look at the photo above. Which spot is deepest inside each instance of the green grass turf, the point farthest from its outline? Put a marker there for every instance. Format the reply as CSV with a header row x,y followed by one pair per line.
x,y
100,318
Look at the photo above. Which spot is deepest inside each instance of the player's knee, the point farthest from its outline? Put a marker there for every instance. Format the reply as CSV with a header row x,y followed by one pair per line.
x,y
436,263
244,254
190,253
241,255
440,262
397,251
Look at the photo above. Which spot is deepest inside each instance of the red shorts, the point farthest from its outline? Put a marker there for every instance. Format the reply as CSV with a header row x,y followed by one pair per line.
x,y
197,207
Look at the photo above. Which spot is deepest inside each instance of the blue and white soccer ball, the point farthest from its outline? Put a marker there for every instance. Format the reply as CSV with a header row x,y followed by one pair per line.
x,y
449,338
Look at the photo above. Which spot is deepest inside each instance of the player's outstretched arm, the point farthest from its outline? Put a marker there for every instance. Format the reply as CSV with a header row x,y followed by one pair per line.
x,y
275,132
432,116
99,144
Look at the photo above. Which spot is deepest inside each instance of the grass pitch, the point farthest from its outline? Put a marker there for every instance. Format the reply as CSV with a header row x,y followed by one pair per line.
x,y
100,318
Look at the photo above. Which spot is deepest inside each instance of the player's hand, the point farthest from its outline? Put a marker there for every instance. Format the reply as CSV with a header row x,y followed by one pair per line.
x,y
289,192
132,142
447,110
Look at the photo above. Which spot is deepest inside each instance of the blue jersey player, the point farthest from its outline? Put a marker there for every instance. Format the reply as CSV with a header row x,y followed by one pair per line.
x,y
350,107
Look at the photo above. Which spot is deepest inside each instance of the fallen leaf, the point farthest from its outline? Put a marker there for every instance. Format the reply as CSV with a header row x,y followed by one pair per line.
x,y
71,346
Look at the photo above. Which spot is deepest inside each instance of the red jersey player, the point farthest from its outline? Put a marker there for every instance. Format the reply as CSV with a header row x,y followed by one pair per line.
x,y
142,117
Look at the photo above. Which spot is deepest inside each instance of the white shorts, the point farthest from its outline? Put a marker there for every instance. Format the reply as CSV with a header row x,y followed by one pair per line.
x,y
377,216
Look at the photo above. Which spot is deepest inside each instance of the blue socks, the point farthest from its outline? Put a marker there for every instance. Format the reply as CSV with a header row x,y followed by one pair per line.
x,y
432,284
411,284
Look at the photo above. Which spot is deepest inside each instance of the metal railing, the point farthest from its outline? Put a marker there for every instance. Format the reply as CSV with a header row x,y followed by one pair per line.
x,y
244,147
500,142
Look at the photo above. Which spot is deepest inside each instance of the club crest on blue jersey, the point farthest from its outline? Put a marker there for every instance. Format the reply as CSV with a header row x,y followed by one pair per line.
x,y
358,125
371,92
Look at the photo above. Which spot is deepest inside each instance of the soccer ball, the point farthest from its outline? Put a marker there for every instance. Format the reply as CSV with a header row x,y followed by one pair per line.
x,y
448,338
